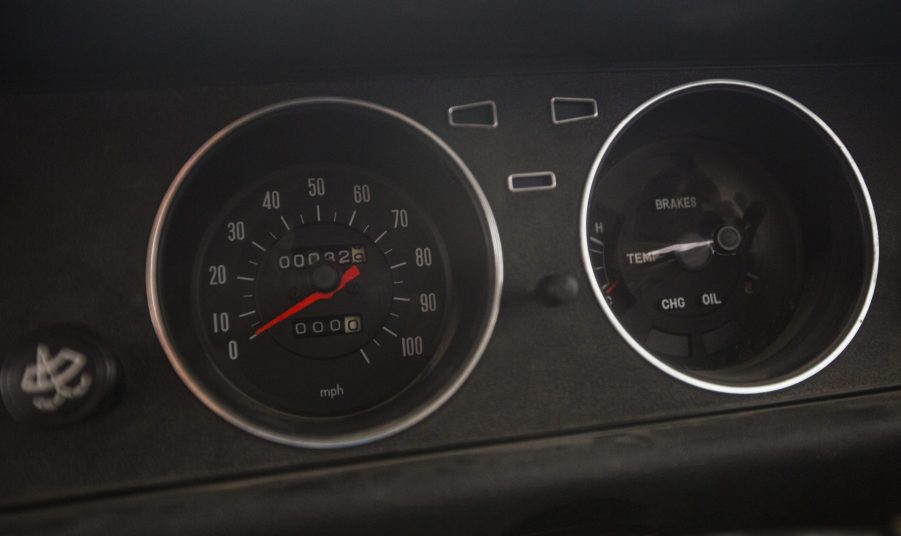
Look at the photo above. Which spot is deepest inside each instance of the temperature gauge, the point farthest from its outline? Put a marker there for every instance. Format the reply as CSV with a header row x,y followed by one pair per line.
x,y
729,237
699,262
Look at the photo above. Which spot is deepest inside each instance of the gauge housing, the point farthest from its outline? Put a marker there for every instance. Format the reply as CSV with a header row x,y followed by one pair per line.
x,y
798,155
359,135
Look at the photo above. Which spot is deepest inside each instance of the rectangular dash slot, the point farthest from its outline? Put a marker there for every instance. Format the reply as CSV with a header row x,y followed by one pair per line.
x,y
477,115
570,109
530,182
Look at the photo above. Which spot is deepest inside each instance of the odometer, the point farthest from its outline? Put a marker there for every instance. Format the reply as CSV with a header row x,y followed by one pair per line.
x,y
324,272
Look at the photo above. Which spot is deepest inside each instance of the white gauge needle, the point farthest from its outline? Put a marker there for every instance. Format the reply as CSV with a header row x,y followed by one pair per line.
x,y
680,248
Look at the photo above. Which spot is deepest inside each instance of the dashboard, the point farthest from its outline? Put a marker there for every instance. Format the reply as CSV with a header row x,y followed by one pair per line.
x,y
506,268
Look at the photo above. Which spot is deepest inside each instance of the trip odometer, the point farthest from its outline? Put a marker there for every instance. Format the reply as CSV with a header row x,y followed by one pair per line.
x,y
316,282
324,272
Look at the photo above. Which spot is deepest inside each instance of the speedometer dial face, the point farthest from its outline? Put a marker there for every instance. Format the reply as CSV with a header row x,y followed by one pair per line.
x,y
324,291
324,273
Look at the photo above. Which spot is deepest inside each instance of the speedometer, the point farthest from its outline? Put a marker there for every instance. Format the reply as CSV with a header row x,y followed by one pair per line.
x,y
324,272
317,282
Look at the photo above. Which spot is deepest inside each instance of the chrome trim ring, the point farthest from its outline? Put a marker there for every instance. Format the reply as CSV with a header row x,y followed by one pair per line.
x,y
679,375
218,406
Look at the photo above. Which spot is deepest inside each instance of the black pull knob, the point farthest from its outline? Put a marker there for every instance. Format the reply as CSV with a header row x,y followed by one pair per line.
x,y
557,289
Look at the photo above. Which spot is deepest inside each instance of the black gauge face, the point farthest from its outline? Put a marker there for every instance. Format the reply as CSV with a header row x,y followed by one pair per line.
x,y
729,237
323,291
324,273
696,253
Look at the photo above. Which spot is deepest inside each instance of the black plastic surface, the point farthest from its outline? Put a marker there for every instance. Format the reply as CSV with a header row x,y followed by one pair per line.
x,y
83,173
129,41
769,473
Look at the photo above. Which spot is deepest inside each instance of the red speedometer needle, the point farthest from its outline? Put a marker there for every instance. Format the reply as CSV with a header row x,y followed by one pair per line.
x,y
349,275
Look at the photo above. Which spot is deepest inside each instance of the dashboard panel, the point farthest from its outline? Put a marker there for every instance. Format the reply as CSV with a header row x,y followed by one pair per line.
x,y
562,418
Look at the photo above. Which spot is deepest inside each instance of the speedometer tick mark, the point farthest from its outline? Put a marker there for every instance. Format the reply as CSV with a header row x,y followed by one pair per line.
x,y
302,222
247,296
395,315
261,248
335,216
389,331
398,298
398,282
253,263
352,216
284,221
248,313
318,214
398,265
365,228
380,237
273,235
252,337
243,278
366,357
377,343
